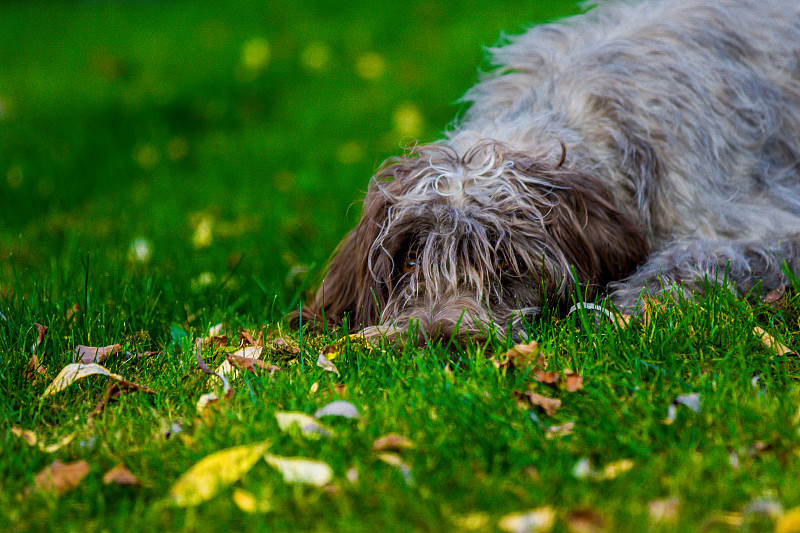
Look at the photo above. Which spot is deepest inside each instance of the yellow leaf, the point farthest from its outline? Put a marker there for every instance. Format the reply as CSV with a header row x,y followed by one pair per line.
x,y
789,522
612,470
249,503
73,372
770,342
215,472
541,519
301,470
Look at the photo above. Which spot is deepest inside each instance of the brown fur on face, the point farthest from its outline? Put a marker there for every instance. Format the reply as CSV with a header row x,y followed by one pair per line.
x,y
490,231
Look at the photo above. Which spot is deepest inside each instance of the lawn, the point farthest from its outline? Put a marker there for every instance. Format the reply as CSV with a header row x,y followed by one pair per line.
x,y
174,170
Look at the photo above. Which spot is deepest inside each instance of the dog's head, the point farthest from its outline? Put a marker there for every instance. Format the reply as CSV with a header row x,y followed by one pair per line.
x,y
468,241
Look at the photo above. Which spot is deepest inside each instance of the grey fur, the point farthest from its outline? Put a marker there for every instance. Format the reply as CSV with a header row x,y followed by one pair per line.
x,y
651,145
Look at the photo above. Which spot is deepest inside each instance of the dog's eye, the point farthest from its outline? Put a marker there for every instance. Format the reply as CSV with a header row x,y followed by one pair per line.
x,y
502,264
410,262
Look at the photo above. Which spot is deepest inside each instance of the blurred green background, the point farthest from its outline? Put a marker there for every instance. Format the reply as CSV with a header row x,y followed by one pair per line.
x,y
217,150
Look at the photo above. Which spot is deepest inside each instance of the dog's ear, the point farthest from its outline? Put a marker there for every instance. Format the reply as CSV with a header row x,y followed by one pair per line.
x,y
595,236
353,286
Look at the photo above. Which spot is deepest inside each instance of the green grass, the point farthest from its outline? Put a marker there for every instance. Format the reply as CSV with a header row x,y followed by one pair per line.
x,y
126,122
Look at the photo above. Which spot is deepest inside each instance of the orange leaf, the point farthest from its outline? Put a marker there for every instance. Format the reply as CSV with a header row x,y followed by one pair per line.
x,y
120,475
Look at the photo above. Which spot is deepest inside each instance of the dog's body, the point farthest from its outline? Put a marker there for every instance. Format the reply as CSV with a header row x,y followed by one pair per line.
x,y
647,146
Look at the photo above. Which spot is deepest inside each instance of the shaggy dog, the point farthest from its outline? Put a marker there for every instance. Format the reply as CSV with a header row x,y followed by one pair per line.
x,y
637,148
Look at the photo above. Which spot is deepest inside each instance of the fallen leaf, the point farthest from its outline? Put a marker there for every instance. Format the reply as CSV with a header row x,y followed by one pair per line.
x,y
692,401
540,519
471,522
330,351
776,296
215,472
352,475
549,405
325,364
41,334
26,435
245,356
614,469
770,342
665,510
116,389
396,461
314,388
338,408
308,425
301,470
90,354
551,379
34,369
249,503
245,339
215,331
54,447
560,431
120,475
392,441
586,521
62,477
521,356
73,372
789,522
572,382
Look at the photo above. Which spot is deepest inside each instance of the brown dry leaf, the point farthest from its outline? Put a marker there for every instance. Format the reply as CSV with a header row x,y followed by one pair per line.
x,y
549,405
521,356
770,342
392,441
789,522
551,379
340,389
42,333
572,382
586,521
34,369
91,354
116,389
540,519
665,510
776,297
120,475
649,308
230,370
245,339
251,364
61,477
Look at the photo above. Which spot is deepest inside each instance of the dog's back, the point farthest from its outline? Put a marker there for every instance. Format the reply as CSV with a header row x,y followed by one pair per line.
x,y
688,110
